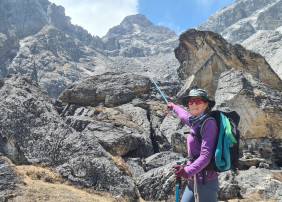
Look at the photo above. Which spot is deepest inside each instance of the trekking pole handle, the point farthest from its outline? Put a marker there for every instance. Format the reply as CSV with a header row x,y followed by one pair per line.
x,y
178,179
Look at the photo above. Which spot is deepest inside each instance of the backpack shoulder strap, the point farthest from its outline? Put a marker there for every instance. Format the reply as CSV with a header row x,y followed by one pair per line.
x,y
200,128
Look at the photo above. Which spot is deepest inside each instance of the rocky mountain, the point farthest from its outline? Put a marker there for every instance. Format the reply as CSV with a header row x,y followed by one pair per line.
x,y
255,24
137,45
38,40
136,36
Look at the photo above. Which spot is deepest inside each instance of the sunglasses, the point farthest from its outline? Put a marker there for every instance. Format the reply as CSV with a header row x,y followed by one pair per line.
x,y
196,100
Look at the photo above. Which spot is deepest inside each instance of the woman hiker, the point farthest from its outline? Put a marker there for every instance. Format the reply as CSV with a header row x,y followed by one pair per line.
x,y
199,154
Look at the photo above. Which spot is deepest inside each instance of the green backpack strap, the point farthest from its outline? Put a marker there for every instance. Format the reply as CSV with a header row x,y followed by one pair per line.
x,y
228,130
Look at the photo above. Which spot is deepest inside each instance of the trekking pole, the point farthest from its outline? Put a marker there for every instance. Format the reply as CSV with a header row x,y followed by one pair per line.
x,y
151,78
178,186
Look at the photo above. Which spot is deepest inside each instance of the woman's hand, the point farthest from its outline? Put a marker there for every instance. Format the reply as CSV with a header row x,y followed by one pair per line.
x,y
179,171
170,105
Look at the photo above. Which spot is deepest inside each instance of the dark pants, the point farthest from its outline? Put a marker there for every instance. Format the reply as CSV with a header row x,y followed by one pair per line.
x,y
207,192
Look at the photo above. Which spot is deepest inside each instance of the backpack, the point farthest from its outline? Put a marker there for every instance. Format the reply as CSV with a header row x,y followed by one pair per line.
x,y
226,153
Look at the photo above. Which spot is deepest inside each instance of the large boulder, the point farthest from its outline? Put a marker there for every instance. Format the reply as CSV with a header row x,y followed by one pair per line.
x,y
110,89
228,186
31,129
157,184
258,105
260,110
204,55
161,159
123,130
263,181
136,166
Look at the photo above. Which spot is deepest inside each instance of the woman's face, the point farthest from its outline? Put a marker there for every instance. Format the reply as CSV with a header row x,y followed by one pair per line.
x,y
197,109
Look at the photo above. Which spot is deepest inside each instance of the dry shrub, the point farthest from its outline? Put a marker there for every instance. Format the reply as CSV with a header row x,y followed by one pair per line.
x,y
123,167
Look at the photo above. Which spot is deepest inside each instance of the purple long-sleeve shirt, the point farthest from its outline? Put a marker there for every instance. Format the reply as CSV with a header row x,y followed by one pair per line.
x,y
204,150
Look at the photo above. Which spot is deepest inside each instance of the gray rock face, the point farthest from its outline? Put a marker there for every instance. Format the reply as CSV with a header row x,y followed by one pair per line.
x,y
173,131
36,38
51,58
250,181
29,108
243,11
14,17
270,188
228,187
156,183
136,166
254,24
268,43
8,181
266,99
162,159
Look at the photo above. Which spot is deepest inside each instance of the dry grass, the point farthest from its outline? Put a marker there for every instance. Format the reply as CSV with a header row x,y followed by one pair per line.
x,y
277,175
38,172
43,184
156,106
119,118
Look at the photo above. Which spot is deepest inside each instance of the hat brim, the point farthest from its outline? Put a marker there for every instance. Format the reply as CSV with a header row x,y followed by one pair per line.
x,y
185,101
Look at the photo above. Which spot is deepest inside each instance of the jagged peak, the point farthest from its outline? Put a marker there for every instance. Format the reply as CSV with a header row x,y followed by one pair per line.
x,y
138,19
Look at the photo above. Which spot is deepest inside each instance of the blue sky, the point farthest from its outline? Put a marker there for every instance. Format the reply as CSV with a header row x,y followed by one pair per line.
x,y
98,16
180,15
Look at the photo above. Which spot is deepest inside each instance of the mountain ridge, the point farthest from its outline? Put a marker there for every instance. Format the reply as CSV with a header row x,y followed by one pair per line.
x,y
69,53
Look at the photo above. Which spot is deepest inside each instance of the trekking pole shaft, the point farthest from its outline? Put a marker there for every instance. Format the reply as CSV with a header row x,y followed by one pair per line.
x,y
159,90
178,185
177,192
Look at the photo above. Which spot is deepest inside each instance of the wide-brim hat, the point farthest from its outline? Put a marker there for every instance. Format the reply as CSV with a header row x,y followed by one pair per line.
x,y
198,92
